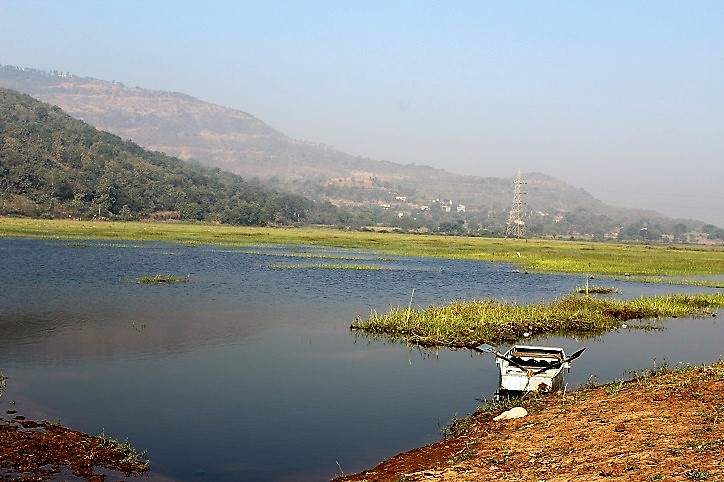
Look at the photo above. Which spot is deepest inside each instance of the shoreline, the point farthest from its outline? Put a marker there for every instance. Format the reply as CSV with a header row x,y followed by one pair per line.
x,y
661,425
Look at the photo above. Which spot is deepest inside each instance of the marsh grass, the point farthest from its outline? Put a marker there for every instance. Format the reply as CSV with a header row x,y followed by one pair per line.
x,y
471,323
161,278
677,281
308,255
361,267
598,290
610,259
138,460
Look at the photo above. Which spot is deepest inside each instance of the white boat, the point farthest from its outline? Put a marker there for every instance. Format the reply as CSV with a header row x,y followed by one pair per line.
x,y
526,368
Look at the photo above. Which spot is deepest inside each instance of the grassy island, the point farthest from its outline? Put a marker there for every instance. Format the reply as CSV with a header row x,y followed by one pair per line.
x,y
471,323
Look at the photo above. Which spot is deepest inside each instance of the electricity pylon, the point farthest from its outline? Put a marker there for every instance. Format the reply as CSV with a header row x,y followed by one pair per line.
x,y
515,228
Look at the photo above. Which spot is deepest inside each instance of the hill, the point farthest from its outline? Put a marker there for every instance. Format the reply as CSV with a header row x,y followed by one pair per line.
x,y
381,193
53,164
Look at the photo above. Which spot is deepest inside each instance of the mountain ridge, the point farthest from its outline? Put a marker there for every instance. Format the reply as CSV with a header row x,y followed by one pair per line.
x,y
237,141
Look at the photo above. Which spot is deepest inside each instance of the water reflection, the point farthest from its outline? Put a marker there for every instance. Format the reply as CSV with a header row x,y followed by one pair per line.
x,y
250,372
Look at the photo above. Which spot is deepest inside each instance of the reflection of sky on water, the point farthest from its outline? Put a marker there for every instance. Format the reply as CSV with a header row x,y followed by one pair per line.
x,y
251,373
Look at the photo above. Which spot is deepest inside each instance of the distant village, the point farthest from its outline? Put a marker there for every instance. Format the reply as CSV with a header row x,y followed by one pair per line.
x,y
436,215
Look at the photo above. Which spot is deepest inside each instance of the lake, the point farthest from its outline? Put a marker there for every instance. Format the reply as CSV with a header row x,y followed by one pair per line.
x,y
250,372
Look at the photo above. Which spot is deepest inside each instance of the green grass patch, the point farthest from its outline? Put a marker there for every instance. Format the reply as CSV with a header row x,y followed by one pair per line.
x,y
610,259
471,323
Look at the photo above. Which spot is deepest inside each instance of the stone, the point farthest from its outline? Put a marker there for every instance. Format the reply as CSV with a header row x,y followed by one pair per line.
x,y
515,412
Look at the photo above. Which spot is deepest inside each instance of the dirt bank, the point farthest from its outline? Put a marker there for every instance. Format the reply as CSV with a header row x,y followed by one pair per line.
x,y
665,426
37,451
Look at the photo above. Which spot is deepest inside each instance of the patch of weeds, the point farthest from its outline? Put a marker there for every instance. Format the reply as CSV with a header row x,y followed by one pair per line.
x,y
714,415
457,426
646,374
697,474
139,461
131,456
717,370
590,383
656,478
614,387
705,445
466,454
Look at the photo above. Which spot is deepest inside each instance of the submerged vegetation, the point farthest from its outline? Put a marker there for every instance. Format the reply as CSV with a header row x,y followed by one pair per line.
x,y
471,323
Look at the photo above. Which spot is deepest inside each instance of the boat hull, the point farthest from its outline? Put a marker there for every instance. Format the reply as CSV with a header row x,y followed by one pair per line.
x,y
531,375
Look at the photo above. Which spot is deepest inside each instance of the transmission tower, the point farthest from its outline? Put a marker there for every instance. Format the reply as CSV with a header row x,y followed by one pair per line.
x,y
515,228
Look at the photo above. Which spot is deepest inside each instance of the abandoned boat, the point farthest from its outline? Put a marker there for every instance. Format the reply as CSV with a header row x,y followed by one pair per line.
x,y
532,368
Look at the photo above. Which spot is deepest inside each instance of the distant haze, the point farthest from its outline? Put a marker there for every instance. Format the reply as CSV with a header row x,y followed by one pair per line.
x,y
623,99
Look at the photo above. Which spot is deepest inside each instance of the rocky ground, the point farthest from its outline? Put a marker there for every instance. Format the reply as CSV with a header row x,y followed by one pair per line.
x,y
664,426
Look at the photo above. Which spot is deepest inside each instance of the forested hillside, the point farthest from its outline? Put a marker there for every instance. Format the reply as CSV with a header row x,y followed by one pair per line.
x,y
53,164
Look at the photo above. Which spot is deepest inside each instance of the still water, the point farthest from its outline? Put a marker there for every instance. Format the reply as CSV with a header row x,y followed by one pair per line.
x,y
249,371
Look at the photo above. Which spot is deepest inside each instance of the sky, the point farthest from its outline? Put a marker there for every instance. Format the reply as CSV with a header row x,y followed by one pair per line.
x,y
624,99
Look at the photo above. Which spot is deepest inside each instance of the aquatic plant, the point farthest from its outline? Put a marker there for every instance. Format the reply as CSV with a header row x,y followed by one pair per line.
x,y
160,278
471,323
329,266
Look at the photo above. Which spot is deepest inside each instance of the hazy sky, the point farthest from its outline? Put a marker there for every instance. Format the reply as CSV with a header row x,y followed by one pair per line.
x,y
624,99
